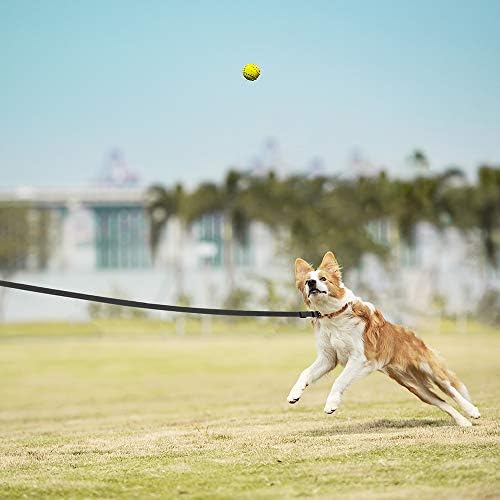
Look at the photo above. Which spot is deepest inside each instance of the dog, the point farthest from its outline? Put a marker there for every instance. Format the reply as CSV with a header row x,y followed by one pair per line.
x,y
355,334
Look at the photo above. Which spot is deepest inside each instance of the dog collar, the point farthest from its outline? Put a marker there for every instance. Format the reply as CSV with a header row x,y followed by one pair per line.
x,y
334,314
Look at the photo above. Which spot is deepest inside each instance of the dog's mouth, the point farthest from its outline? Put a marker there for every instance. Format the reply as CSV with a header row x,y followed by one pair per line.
x,y
315,291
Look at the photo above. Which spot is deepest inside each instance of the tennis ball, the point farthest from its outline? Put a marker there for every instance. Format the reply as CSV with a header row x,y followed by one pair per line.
x,y
251,71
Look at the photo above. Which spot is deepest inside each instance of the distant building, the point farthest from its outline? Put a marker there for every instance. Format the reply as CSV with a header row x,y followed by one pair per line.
x,y
99,243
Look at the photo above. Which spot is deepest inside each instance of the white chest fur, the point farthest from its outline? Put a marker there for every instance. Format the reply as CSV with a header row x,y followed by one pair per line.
x,y
344,335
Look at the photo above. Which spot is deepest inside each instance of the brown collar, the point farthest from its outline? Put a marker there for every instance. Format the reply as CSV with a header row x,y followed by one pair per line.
x,y
336,313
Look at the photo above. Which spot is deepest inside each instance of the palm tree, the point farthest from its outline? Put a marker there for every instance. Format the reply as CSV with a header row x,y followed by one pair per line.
x,y
472,207
487,207
15,241
316,214
229,201
419,161
163,205
312,215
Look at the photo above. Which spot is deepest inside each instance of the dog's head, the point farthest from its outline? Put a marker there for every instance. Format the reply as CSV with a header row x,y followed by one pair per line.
x,y
322,288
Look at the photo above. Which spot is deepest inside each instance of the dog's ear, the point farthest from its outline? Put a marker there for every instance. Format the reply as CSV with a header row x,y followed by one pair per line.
x,y
330,265
301,270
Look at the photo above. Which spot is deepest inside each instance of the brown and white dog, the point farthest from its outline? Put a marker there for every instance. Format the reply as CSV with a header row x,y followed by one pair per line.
x,y
355,334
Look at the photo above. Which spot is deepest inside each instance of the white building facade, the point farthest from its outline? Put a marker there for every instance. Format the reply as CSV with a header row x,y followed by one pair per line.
x,y
100,245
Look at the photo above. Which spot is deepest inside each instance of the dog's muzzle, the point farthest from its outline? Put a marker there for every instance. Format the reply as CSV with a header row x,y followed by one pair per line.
x,y
312,289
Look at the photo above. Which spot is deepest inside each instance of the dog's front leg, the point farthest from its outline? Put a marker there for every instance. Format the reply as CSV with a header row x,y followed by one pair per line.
x,y
322,364
354,369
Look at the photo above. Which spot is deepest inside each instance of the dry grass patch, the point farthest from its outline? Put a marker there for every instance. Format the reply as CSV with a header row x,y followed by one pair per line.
x,y
194,417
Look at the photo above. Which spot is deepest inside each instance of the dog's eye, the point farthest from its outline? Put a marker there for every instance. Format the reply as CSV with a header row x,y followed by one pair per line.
x,y
322,278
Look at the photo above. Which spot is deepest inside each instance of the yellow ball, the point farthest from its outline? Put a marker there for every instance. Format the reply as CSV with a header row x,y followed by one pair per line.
x,y
251,71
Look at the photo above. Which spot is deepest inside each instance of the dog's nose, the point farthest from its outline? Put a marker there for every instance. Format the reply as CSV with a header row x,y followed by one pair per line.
x,y
311,283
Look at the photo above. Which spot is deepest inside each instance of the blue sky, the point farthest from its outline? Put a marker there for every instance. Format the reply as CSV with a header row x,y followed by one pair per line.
x,y
161,80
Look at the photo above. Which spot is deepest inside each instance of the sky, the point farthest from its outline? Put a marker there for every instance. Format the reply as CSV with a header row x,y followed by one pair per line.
x,y
161,81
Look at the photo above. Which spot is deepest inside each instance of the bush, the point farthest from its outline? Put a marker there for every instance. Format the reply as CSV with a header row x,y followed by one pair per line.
x,y
488,308
238,298
96,310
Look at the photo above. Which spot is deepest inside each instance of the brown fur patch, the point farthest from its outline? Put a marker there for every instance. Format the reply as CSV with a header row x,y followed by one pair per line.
x,y
333,284
330,269
404,356
302,269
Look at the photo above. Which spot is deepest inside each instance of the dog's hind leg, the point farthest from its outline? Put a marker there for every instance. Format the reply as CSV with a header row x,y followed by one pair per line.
x,y
449,388
448,382
430,397
439,372
462,389
459,386
425,394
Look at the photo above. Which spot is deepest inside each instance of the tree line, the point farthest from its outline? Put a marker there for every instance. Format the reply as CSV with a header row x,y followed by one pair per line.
x,y
312,215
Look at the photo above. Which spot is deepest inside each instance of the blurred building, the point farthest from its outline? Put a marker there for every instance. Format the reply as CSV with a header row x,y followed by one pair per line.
x,y
97,241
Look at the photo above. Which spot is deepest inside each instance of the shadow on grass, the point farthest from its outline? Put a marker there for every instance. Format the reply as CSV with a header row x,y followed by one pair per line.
x,y
379,425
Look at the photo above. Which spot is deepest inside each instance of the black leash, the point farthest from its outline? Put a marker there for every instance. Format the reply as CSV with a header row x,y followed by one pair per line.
x,y
158,307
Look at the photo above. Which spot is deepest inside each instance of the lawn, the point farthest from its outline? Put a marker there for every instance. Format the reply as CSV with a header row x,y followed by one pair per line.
x,y
133,410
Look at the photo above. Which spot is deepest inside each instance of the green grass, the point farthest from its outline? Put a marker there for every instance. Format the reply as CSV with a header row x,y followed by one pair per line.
x,y
130,409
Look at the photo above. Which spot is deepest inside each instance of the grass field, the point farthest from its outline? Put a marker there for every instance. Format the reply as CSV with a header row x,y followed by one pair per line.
x,y
132,410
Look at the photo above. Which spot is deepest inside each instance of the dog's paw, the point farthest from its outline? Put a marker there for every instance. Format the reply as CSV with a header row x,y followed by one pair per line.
x,y
295,394
330,408
331,405
463,422
474,412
